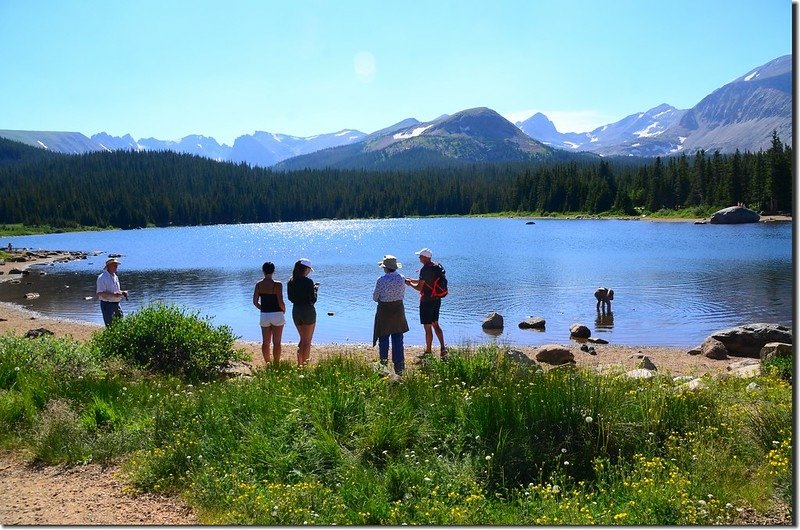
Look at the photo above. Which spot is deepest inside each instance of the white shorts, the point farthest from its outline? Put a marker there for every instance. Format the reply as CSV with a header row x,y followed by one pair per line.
x,y
272,319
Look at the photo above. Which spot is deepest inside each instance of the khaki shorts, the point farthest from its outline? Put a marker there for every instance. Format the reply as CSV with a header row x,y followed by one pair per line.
x,y
272,319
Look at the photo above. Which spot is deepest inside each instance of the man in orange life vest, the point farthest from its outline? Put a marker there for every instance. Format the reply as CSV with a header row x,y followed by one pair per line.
x,y
429,305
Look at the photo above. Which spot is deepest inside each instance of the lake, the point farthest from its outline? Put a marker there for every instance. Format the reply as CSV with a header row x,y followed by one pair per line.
x,y
674,282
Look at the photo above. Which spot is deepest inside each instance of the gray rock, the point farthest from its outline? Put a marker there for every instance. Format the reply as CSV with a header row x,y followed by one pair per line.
x,y
742,363
647,364
554,354
776,350
493,321
734,215
520,357
714,349
639,373
695,351
745,372
38,332
580,331
532,323
747,340
596,340
694,385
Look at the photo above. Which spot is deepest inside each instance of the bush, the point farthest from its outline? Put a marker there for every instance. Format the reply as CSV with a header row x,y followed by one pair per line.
x,y
780,367
164,339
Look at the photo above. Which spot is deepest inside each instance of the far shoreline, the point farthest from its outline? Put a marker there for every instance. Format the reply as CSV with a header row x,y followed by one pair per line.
x,y
21,231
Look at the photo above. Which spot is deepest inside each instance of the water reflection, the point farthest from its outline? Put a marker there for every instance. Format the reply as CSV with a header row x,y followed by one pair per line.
x,y
496,332
604,320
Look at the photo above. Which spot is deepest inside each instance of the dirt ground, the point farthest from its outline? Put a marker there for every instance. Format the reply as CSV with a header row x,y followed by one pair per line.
x,y
79,495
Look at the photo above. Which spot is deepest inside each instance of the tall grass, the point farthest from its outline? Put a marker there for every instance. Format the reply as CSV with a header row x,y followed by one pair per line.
x,y
474,440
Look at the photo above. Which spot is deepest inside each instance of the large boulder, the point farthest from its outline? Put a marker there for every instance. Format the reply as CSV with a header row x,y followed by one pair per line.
x,y
493,321
554,354
747,340
775,350
734,215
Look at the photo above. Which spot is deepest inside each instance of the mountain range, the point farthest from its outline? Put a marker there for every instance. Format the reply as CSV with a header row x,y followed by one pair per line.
x,y
739,115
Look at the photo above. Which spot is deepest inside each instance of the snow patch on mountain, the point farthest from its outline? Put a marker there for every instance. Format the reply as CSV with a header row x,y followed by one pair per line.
x,y
751,76
413,133
650,130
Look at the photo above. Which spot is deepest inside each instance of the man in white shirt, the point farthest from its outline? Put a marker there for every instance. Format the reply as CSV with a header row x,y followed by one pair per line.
x,y
109,292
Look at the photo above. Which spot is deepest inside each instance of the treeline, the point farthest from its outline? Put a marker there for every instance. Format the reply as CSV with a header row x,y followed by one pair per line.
x,y
128,189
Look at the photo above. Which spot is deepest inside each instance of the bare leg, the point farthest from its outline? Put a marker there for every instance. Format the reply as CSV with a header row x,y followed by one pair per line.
x,y
428,337
277,333
306,331
439,335
266,333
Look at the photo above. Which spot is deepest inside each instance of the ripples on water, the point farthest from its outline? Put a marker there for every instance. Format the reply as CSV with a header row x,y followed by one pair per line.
x,y
674,283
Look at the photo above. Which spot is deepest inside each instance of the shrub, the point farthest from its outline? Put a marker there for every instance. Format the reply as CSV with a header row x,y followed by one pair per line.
x,y
58,437
780,367
165,339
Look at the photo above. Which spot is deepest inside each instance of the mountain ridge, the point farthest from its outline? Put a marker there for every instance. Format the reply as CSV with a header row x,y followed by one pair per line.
x,y
739,115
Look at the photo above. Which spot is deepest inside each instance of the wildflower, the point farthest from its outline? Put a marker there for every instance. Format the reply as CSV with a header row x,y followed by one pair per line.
x,y
16,368
588,419
563,449
488,457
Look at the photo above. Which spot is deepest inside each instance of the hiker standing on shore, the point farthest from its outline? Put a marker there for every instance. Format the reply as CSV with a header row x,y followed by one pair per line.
x,y
390,317
268,298
302,292
432,287
109,292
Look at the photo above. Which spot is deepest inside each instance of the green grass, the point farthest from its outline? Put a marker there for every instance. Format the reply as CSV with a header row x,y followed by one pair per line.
x,y
696,212
476,440
19,229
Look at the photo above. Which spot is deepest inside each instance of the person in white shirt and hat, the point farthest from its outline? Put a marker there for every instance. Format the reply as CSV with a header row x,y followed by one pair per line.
x,y
109,292
390,317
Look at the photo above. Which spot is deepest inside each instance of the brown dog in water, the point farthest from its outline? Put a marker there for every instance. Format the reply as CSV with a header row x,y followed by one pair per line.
x,y
604,296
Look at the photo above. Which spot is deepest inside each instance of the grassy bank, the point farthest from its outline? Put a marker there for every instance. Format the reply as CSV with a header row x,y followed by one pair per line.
x,y
687,213
19,229
476,440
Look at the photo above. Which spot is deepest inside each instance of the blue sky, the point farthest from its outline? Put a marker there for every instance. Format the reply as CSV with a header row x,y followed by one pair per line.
x,y
170,68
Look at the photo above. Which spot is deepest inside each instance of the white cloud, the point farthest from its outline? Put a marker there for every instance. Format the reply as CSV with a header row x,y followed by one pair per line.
x,y
364,66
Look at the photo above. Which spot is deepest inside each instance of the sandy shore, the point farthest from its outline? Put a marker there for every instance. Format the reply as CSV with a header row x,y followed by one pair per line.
x,y
676,361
